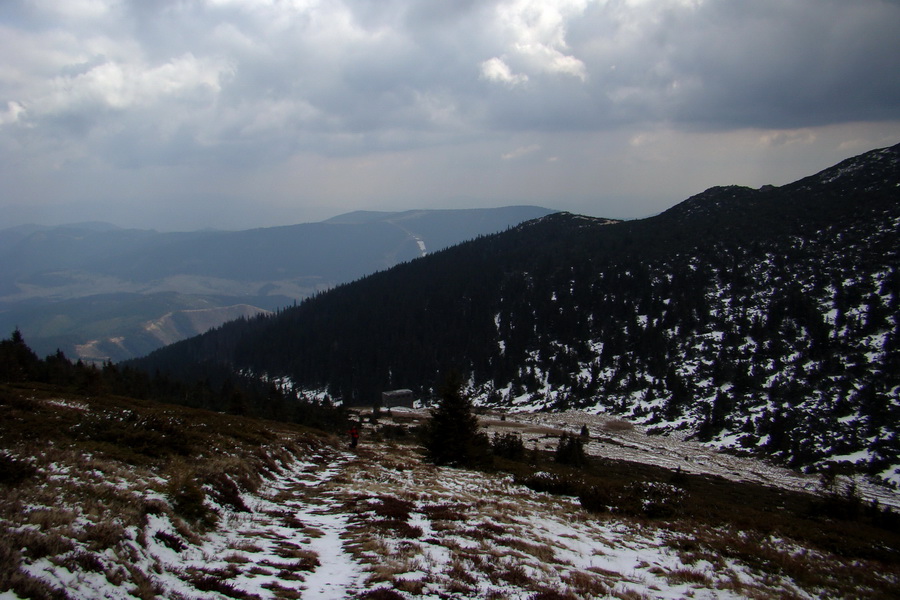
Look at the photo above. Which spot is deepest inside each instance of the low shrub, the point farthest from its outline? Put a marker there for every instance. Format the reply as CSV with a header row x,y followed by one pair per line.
x,y
552,483
170,541
81,561
651,499
102,535
210,583
36,545
551,594
508,445
14,471
399,528
445,512
225,492
381,594
189,502
390,507
570,451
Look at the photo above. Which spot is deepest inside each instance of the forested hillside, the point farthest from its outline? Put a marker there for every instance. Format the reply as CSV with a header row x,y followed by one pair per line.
x,y
761,320
101,293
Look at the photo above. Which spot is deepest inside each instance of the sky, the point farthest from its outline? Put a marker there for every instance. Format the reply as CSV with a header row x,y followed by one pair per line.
x,y
234,114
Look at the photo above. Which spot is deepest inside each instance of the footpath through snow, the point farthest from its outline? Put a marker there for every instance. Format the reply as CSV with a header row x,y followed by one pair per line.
x,y
289,544
337,574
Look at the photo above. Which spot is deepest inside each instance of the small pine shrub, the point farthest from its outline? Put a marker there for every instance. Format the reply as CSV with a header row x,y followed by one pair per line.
x,y
451,436
598,499
13,470
655,499
393,432
649,499
570,451
508,445
551,483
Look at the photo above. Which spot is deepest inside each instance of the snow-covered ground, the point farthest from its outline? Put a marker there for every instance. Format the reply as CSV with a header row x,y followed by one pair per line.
x,y
617,439
333,524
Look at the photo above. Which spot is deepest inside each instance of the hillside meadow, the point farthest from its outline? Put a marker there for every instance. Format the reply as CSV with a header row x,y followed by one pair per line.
x,y
110,497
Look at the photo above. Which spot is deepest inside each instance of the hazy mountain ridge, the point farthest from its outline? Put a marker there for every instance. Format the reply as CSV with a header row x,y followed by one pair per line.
x,y
757,320
50,274
168,329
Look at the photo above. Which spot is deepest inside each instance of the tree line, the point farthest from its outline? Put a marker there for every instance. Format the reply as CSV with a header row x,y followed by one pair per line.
x,y
219,390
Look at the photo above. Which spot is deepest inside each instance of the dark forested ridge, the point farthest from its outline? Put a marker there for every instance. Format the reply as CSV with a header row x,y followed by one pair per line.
x,y
101,293
764,320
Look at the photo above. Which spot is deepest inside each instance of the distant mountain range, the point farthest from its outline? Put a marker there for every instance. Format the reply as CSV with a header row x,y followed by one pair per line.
x,y
758,320
99,292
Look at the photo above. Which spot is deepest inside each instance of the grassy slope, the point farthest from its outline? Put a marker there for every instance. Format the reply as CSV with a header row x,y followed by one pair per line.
x,y
115,498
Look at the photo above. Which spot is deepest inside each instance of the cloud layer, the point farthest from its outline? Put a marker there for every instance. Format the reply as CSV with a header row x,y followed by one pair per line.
x,y
146,108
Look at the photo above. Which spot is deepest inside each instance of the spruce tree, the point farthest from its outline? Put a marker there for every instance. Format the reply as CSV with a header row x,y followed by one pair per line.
x,y
17,361
451,436
570,451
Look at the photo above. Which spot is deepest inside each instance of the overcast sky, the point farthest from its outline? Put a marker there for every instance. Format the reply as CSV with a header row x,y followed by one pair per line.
x,y
181,114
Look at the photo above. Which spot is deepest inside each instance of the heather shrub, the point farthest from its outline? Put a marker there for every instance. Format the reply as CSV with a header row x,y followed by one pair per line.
x,y
189,502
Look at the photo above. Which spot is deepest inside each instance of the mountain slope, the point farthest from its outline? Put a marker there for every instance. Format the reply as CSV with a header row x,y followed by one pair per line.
x,y
52,277
757,320
116,498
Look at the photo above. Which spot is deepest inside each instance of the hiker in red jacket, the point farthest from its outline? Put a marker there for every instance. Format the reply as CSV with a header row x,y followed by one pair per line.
x,y
354,436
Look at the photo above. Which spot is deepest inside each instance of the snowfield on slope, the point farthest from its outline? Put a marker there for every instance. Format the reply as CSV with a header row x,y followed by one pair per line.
x,y
617,439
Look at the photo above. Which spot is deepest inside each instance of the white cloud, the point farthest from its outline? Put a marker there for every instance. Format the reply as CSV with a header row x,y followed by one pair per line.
x,y
76,9
121,86
536,32
787,137
496,69
521,151
12,113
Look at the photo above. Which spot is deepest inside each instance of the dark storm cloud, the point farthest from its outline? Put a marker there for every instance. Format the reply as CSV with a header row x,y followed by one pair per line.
x,y
789,64
356,67
727,64
248,84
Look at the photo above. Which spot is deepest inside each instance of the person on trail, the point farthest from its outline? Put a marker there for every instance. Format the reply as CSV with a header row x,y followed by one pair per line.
x,y
354,436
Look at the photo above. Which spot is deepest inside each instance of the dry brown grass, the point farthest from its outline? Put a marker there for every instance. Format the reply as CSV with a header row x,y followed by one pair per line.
x,y
414,587
111,463
586,584
629,594
617,425
50,518
774,560
542,552
477,539
688,576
